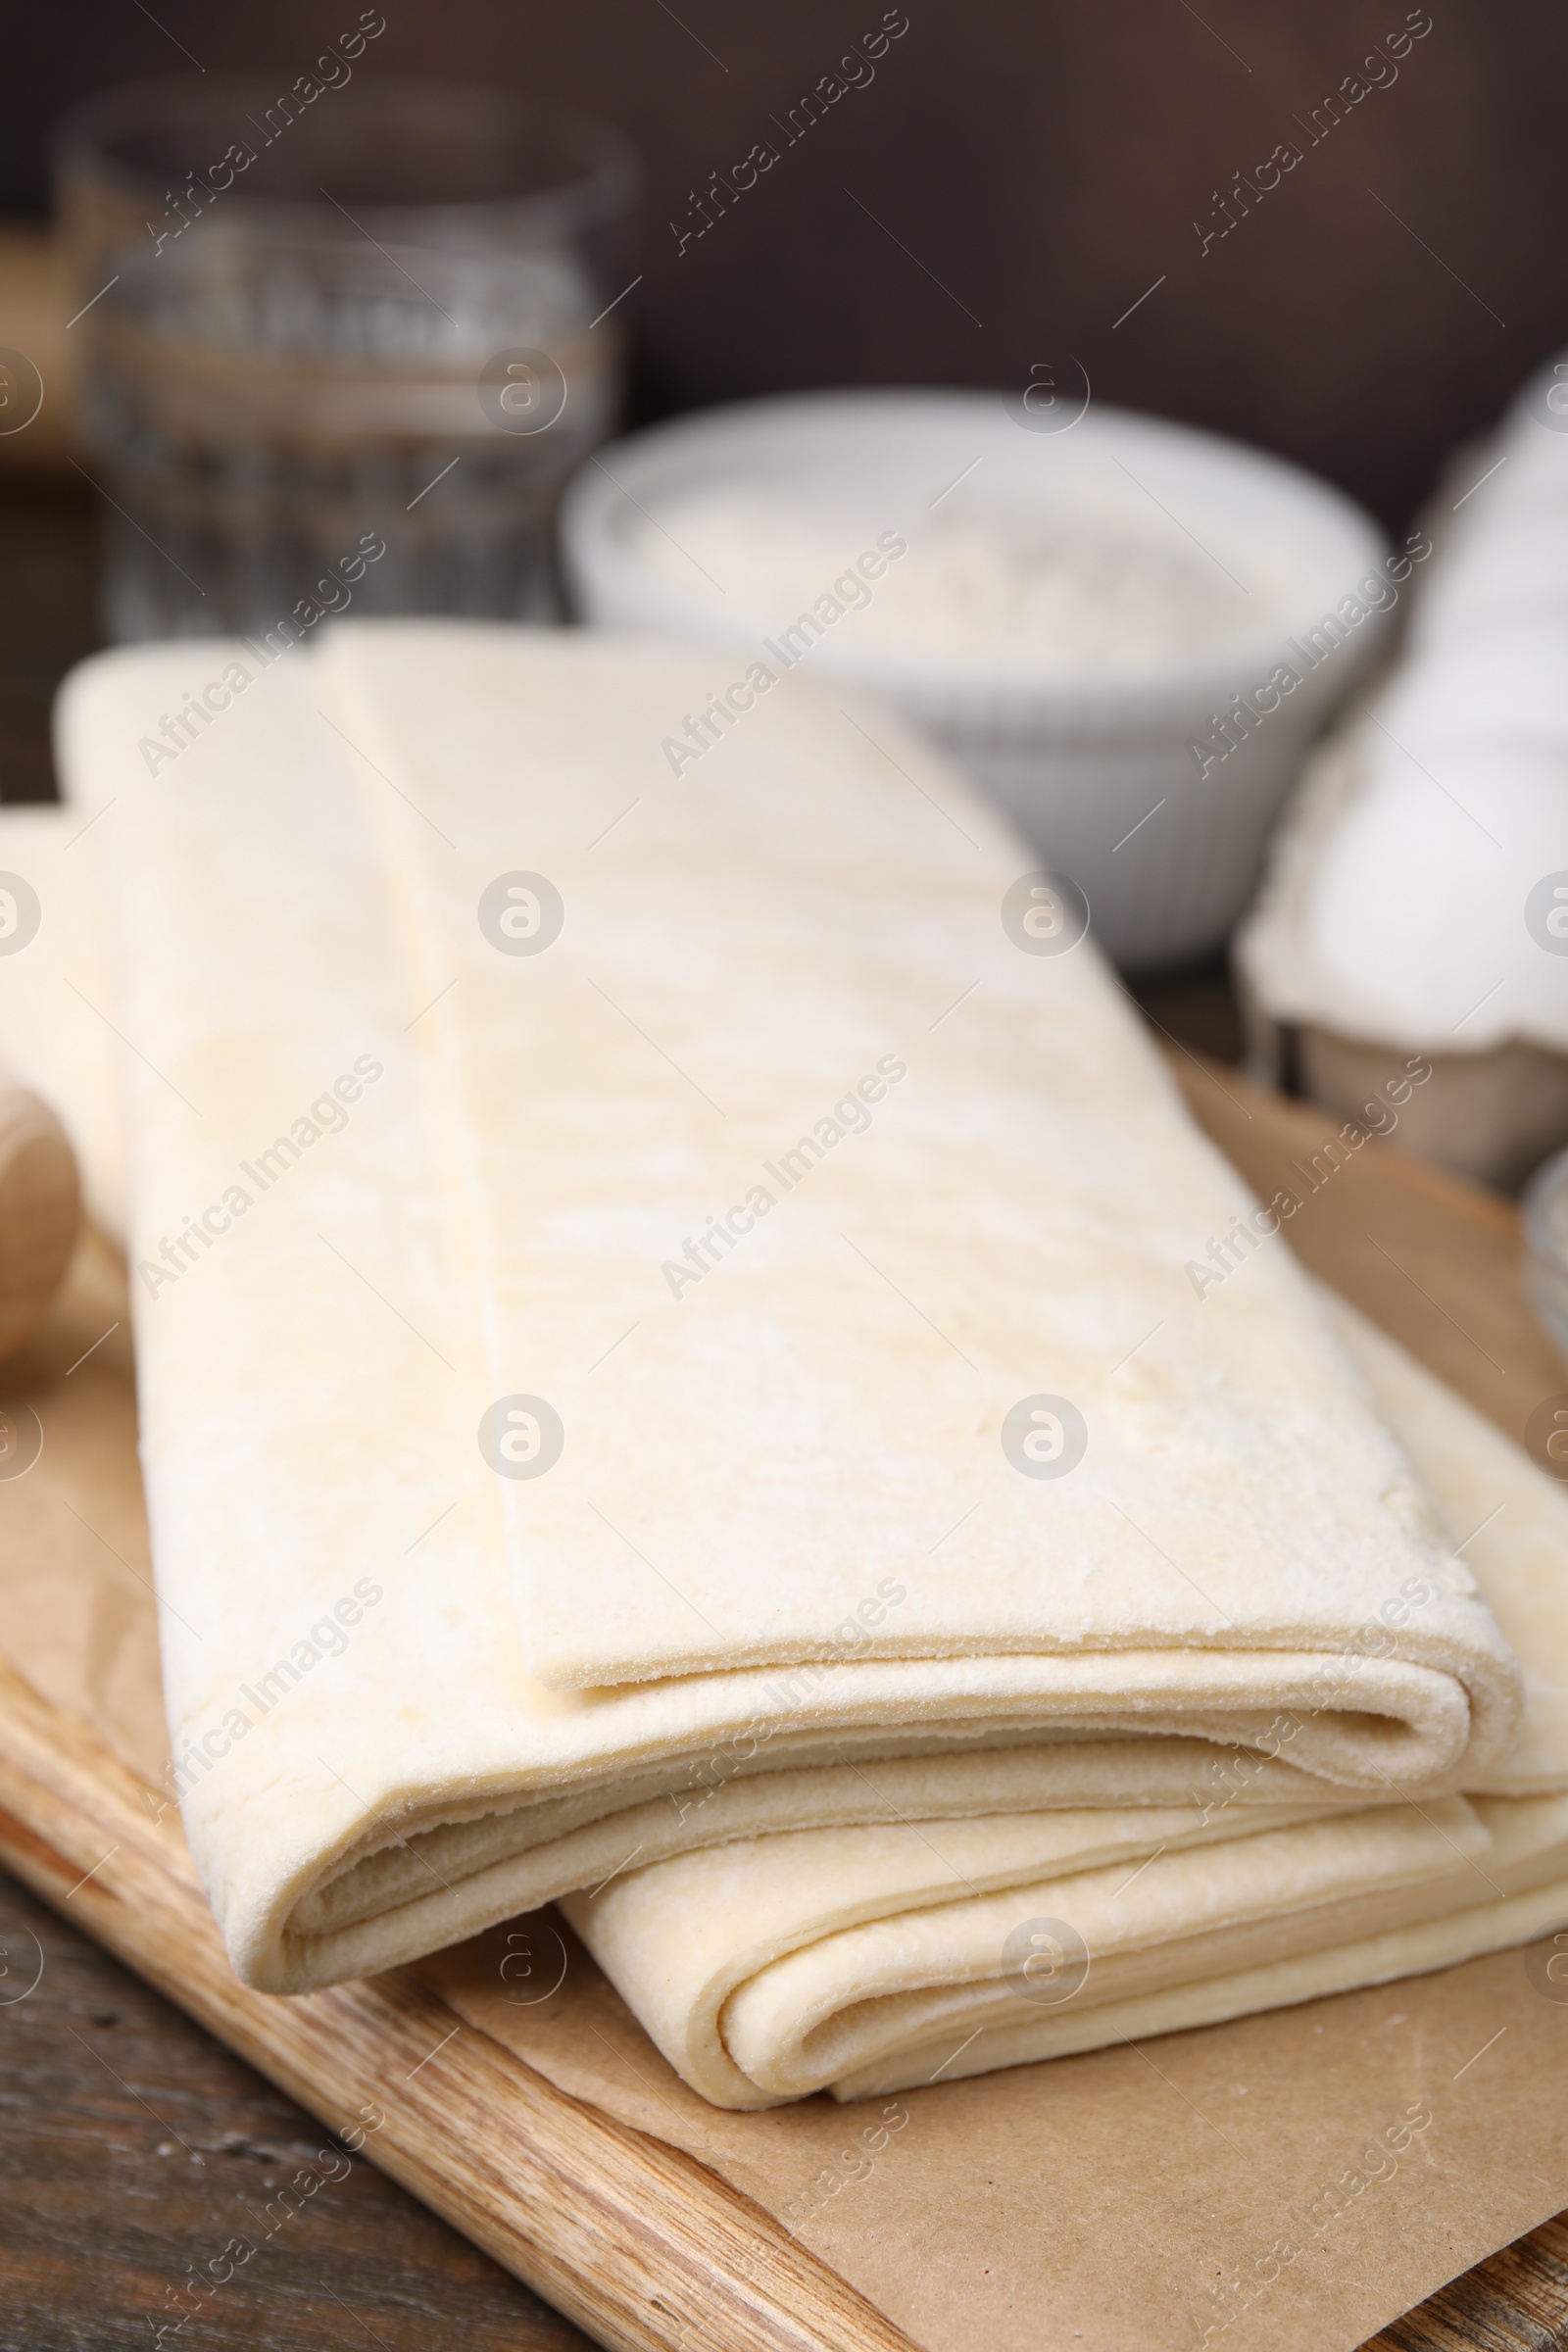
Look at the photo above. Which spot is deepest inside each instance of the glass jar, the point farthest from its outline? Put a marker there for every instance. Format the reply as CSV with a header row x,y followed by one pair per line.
x,y
342,348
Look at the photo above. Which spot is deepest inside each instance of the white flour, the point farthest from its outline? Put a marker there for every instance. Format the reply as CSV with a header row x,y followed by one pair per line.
x,y
1104,585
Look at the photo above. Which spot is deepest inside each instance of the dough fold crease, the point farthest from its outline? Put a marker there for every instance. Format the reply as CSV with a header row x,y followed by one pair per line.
x,y
665,1327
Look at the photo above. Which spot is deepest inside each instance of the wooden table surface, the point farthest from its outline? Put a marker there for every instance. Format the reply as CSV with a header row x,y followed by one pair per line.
x,y
133,2144
133,2147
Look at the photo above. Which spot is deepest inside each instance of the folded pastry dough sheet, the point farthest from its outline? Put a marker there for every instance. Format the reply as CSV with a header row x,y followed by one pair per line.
x,y
1538,1851
873,1960
594,1230
779,1965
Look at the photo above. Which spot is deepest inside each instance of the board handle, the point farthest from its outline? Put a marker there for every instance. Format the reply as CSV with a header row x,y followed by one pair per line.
x,y
40,1210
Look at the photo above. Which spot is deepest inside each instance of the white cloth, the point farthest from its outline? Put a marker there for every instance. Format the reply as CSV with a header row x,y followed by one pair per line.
x,y
1398,903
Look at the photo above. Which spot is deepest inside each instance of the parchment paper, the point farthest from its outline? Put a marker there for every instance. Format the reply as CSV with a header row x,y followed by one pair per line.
x,y
1284,2184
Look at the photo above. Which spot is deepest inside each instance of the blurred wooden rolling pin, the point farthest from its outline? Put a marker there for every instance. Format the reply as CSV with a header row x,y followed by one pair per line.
x,y
40,1210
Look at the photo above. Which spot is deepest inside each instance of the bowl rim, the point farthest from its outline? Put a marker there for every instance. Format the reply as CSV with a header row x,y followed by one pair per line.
x,y
647,463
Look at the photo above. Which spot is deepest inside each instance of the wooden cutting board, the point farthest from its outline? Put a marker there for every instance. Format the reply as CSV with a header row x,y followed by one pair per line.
x,y
633,2237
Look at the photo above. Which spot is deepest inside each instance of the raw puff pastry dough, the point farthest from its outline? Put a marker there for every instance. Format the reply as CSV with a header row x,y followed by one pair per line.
x,y
877,1959
783,1546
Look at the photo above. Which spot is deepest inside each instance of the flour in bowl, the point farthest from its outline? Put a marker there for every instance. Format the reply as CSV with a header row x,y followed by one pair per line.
x,y
1095,587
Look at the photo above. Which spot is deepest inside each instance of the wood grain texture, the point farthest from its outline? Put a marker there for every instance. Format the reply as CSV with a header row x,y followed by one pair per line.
x,y
1390,1248
633,2240
1515,2302
134,2150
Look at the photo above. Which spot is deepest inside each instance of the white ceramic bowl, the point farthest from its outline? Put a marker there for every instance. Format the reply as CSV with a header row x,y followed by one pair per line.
x,y
1079,756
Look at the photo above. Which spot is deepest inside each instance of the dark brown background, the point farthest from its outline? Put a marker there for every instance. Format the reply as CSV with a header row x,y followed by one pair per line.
x,y
1044,162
